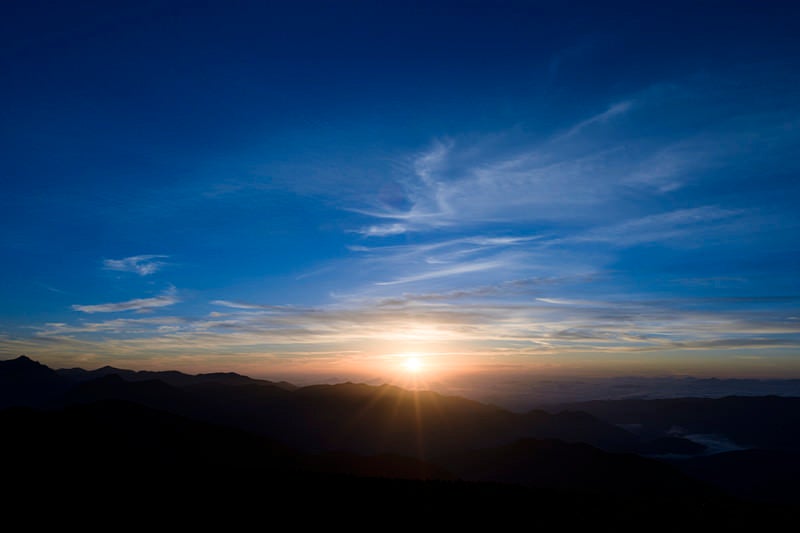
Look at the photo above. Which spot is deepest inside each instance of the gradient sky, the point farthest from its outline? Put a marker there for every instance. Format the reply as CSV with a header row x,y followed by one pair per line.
x,y
279,188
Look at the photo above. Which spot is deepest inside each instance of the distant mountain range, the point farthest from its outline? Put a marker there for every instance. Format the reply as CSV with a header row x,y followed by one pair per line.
x,y
523,394
317,418
757,439
767,422
109,425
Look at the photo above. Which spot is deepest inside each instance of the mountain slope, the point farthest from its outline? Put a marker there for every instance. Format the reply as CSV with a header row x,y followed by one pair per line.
x,y
112,462
757,475
170,377
554,464
27,382
767,422
123,461
355,417
245,449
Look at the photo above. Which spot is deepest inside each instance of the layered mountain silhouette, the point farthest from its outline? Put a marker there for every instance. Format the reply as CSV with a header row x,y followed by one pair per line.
x,y
170,377
211,435
749,445
768,422
349,416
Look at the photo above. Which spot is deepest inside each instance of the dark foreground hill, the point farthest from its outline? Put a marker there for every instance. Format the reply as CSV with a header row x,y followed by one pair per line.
x,y
766,422
119,463
229,442
755,475
349,416
752,443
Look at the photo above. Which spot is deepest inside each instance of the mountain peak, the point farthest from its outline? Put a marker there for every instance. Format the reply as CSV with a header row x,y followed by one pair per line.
x,y
24,381
22,360
108,368
23,364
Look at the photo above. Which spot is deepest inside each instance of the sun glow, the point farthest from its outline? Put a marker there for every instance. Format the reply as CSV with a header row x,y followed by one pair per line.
x,y
412,370
413,364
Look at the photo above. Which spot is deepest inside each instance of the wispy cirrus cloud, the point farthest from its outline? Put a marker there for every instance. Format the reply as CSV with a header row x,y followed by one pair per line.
x,y
597,169
139,305
445,250
260,307
127,326
553,254
464,268
615,110
509,288
143,265
460,183
475,325
382,230
452,260
662,227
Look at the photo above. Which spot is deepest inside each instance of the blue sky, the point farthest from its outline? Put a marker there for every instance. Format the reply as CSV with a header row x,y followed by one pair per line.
x,y
322,188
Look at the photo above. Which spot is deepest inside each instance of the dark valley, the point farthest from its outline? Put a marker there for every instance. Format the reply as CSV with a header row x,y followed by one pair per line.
x,y
232,444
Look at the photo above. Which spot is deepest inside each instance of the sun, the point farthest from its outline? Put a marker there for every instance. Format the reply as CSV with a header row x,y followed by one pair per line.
x,y
413,364
413,370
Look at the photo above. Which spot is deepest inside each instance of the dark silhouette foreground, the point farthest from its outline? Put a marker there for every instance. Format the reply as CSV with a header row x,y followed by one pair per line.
x,y
239,451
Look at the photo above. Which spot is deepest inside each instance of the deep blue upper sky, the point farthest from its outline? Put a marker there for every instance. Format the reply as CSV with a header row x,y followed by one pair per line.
x,y
324,186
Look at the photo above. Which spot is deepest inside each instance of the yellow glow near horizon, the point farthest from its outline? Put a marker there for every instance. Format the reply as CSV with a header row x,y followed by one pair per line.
x,y
413,364
413,370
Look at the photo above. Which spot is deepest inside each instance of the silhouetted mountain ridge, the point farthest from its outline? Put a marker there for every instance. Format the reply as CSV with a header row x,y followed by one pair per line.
x,y
555,464
171,377
760,475
767,422
347,416
360,430
123,455
24,381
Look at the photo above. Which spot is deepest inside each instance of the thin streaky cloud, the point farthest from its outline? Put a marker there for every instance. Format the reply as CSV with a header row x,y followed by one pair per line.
x,y
389,214
471,182
144,265
51,288
256,307
506,288
613,111
446,272
384,230
139,305
658,227
118,325
431,161
479,240
594,329
474,182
